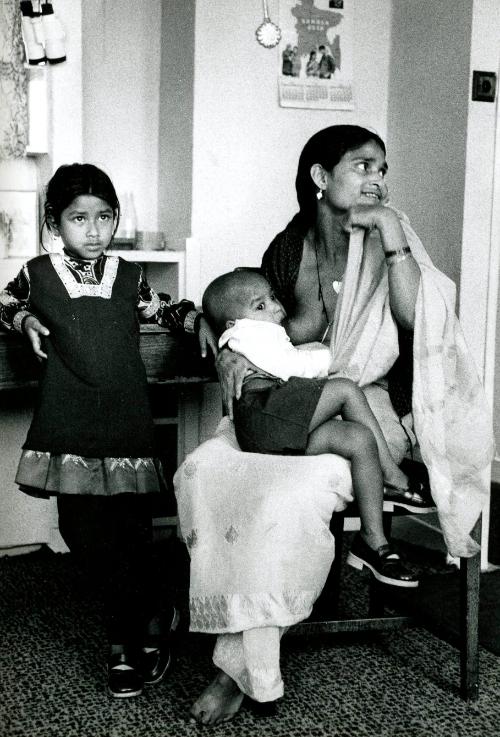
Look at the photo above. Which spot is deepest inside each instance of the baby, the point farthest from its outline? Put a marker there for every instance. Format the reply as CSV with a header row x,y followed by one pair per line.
x,y
290,406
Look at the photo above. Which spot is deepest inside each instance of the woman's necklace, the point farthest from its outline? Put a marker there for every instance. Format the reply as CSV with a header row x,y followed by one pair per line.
x,y
336,286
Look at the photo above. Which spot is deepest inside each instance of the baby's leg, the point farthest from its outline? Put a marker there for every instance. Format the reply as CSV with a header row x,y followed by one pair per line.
x,y
357,443
370,549
343,397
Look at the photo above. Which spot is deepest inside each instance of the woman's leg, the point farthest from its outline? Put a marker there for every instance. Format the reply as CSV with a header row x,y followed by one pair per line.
x,y
398,435
343,397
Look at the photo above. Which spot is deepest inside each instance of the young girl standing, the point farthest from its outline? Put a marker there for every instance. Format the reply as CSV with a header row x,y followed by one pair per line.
x,y
91,440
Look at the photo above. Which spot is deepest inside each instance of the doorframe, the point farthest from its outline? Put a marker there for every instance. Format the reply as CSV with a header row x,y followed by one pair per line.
x,y
479,283
492,308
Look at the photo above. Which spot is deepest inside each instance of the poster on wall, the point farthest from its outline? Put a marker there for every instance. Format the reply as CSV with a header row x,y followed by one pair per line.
x,y
315,54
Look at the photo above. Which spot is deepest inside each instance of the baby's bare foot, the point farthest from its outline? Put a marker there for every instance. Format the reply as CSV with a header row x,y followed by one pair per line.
x,y
219,702
395,477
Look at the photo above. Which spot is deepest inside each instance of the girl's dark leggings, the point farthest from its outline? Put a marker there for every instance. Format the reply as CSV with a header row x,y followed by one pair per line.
x,y
110,537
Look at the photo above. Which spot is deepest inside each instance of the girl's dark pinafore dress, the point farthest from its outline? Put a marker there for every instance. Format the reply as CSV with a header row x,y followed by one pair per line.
x,y
92,430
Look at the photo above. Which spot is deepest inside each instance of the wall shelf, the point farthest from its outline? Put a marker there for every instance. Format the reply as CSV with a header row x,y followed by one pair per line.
x,y
159,257
164,270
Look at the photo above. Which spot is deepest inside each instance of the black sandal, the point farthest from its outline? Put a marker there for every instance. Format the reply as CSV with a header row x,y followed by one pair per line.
x,y
385,563
412,498
124,678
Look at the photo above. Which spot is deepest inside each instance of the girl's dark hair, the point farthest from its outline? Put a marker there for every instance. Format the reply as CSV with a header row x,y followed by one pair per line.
x,y
326,147
71,181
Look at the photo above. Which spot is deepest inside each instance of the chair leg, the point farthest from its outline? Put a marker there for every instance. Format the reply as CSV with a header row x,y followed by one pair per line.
x,y
337,528
470,570
327,604
376,607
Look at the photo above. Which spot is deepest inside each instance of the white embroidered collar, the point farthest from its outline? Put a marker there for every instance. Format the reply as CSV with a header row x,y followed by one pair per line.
x,y
75,289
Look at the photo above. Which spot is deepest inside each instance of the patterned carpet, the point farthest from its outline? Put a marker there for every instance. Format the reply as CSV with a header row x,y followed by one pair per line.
x,y
52,673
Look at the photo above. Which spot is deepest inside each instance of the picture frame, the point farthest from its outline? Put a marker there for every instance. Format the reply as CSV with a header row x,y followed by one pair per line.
x,y
18,224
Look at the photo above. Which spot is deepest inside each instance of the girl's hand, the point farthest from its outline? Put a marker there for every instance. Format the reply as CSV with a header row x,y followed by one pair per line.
x,y
231,369
35,330
206,337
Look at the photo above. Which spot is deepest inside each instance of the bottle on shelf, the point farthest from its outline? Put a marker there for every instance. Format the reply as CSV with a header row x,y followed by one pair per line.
x,y
127,229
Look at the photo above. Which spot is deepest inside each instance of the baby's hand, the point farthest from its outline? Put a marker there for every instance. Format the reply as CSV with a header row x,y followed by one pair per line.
x,y
35,330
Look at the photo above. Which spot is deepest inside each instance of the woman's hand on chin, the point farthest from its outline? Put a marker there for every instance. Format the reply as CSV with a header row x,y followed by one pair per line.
x,y
369,217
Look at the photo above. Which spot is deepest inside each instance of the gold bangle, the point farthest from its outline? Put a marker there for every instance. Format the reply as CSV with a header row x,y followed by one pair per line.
x,y
398,252
397,258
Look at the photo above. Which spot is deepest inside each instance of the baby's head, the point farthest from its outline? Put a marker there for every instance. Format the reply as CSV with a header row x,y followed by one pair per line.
x,y
244,293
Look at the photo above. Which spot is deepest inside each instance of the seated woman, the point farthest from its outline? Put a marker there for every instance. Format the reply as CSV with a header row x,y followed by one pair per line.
x,y
350,272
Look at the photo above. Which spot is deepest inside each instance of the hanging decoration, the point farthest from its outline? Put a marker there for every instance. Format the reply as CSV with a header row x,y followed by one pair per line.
x,y
43,34
268,34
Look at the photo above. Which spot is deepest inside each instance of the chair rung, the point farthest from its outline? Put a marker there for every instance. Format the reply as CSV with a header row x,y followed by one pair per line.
x,y
377,624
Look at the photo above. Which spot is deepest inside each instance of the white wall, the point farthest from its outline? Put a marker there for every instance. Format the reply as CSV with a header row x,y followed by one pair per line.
x,y
428,102
481,233
65,91
479,185
245,147
121,83
175,154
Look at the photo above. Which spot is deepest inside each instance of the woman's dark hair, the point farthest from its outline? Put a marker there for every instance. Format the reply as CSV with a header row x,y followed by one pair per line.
x,y
326,147
71,181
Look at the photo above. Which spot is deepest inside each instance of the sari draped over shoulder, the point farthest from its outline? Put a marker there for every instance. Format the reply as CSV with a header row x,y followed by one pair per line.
x,y
452,420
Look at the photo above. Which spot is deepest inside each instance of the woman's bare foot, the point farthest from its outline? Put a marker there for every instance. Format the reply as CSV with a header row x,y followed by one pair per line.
x,y
219,702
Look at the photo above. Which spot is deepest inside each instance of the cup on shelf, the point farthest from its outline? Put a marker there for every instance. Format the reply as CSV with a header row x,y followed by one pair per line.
x,y
150,240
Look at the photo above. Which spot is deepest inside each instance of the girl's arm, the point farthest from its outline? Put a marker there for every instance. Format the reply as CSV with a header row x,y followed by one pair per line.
x,y
14,301
176,316
15,311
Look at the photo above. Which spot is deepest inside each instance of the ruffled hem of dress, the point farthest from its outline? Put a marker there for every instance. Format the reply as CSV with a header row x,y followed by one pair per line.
x,y
43,474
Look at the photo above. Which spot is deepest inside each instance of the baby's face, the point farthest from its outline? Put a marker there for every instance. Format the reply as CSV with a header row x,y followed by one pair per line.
x,y
258,302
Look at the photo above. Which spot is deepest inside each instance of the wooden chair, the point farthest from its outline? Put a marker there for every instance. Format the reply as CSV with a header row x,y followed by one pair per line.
x,y
325,614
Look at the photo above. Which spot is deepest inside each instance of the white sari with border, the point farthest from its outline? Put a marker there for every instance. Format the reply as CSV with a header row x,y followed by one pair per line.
x,y
257,526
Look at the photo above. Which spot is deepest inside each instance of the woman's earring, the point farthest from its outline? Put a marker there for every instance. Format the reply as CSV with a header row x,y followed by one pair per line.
x,y
319,194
